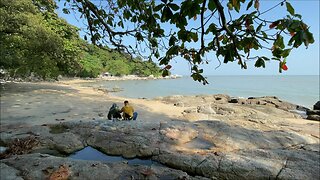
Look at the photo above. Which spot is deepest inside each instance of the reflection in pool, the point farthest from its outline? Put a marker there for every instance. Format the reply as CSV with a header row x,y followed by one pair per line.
x,y
89,153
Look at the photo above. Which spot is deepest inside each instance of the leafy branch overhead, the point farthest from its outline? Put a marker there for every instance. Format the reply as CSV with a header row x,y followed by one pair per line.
x,y
194,29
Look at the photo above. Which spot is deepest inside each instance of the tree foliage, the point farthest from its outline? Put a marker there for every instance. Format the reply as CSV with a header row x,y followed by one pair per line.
x,y
233,30
35,40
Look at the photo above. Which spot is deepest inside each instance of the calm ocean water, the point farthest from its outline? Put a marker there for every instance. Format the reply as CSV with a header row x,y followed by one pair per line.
x,y
302,90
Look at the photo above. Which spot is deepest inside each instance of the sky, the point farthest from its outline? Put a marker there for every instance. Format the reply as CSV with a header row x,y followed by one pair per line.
x,y
302,61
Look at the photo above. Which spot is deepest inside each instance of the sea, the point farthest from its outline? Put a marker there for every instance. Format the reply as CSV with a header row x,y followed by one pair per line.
x,y
301,90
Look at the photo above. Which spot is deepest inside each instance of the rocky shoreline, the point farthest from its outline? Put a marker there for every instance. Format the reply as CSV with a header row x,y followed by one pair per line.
x,y
193,137
35,79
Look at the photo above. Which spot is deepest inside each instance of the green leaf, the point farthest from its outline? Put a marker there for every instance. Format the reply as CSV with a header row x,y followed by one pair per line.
x,y
249,4
309,36
298,38
236,5
259,27
194,36
174,50
164,61
65,11
260,62
157,54
165,73
120,23
285,53
153,42
126,14
172,40
230,6
173,6
166,15
139,36
290,8
212,28
277,52
264,34
298,16
211,5
279,42
265,58
159,7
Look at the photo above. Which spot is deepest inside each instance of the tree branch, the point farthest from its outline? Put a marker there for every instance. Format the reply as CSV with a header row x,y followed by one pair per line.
x,y
110,32
202,27
225,27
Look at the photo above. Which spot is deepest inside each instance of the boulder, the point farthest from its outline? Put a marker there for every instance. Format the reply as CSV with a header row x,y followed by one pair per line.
x,y
205,109
234,100
314,117
316,106
313,112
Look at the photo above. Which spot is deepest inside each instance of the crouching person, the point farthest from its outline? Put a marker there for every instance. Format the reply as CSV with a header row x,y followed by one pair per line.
x,y
128,112
114,112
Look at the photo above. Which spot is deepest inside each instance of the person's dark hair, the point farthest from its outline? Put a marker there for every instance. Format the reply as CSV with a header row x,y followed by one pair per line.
x,y
126,101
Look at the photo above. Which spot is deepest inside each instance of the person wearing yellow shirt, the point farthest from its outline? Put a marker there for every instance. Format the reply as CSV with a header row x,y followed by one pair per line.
x,y
128,112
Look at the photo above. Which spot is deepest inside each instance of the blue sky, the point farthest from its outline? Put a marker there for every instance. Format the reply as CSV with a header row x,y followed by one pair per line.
x,y
302,61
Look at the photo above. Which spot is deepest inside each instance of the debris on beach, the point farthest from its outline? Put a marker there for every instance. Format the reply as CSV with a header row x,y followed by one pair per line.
x,y
20,146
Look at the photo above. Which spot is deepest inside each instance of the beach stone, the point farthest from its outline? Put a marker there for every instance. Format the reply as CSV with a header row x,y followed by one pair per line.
x,y
9,173
265,100
314,117
313,112
234,100
179,104
224,109
238,101
221,98
190,110
316,106
60,77
206,109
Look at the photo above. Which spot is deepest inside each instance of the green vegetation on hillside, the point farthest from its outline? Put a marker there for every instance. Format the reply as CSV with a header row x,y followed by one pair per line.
x,y
35,40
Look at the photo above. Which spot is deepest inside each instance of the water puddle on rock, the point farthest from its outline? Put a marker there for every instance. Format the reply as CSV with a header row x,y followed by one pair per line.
x,y
89,153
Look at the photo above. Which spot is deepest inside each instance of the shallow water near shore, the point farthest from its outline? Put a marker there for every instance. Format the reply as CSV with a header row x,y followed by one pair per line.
x,y
90,153
301,90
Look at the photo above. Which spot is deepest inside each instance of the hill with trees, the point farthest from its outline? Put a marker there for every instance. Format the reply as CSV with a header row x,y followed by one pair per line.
x,y
35,41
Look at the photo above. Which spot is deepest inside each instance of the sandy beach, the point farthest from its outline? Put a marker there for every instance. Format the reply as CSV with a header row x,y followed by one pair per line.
x,y
70,101
176,130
